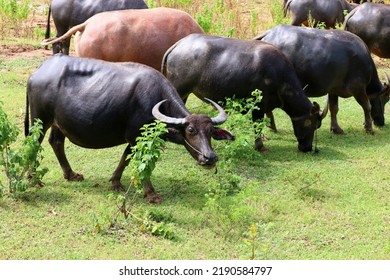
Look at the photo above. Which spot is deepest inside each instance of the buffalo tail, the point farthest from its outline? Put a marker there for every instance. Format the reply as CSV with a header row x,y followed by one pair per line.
x,y
27,118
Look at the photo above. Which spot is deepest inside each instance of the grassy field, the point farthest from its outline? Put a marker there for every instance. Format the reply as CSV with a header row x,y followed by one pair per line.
x,y
282,204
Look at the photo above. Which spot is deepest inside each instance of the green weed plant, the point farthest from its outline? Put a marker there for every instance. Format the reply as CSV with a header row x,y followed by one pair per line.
x,y
143,158
21,166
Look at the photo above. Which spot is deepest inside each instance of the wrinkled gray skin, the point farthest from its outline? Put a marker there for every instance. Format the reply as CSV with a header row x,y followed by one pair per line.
x,y
68,13
329,12
97,104
336,63
371,22
218,67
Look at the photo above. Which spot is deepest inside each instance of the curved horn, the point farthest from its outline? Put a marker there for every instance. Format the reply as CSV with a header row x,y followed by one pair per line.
x,y
388,78
222,117
324,112
168,120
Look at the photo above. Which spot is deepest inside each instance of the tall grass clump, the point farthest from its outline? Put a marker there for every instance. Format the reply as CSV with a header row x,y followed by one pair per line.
x,y
13,14
277,13
221,18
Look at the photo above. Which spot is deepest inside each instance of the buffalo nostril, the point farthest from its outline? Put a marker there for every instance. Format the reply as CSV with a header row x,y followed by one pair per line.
x,y
214,159
211,159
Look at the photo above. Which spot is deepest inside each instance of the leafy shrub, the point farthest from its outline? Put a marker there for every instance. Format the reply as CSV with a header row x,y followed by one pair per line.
x,y
221,208
143,158
240,117
146,151
21,166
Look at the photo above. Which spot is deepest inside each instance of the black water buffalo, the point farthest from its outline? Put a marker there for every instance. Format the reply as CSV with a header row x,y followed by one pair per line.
x,y
97,104
333,62
314,12
371,22
218,67
68,13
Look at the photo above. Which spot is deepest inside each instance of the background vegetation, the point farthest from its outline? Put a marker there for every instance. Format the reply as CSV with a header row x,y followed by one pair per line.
x,y
277,205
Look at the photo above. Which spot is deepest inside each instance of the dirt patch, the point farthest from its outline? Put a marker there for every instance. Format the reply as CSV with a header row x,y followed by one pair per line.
x,y
23,51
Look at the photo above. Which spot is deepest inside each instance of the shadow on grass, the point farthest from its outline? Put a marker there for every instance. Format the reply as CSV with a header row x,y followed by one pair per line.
x,y
311,194
41,196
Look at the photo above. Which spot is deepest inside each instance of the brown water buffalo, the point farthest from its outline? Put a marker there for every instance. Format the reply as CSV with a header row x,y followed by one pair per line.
x,y
98,104
68,13
140,36
371,22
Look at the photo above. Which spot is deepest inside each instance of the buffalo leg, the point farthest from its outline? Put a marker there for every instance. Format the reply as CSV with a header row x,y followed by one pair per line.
x,y
57,141
272,124
334,109
256,116
56,48
363,100
117,175
149,192
65,45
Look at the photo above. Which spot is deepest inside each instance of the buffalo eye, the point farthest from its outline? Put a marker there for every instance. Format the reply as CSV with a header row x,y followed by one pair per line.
x,y
191,130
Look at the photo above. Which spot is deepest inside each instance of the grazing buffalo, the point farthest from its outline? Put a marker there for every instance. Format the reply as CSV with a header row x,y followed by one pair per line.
x,y
131,35
98,104
371,22
314,12
218,67
68,13
333,62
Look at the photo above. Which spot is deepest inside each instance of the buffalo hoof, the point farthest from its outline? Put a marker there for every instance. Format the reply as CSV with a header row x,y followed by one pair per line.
x,y
117,186
272,127
259,146
337,130
264,138
370,131
153,198
74,177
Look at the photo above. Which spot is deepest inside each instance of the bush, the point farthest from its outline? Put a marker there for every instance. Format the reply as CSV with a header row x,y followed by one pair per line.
x,y
20,166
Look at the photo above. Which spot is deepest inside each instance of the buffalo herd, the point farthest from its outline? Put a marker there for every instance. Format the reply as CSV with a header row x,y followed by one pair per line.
x,y
134,65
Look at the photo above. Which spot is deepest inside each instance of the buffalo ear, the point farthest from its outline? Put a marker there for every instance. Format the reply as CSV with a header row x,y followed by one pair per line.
x,y
174,136
172,130
222,134
315,110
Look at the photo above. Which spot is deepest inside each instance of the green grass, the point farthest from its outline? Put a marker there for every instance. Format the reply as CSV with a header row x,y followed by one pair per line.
x,y
330,205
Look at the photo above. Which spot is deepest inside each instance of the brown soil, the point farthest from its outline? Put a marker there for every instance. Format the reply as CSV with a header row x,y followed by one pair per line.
x,y
23,51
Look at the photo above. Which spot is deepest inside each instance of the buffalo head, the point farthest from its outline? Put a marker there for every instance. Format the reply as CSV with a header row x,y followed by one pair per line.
x,y
195,131
378,104
305,126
